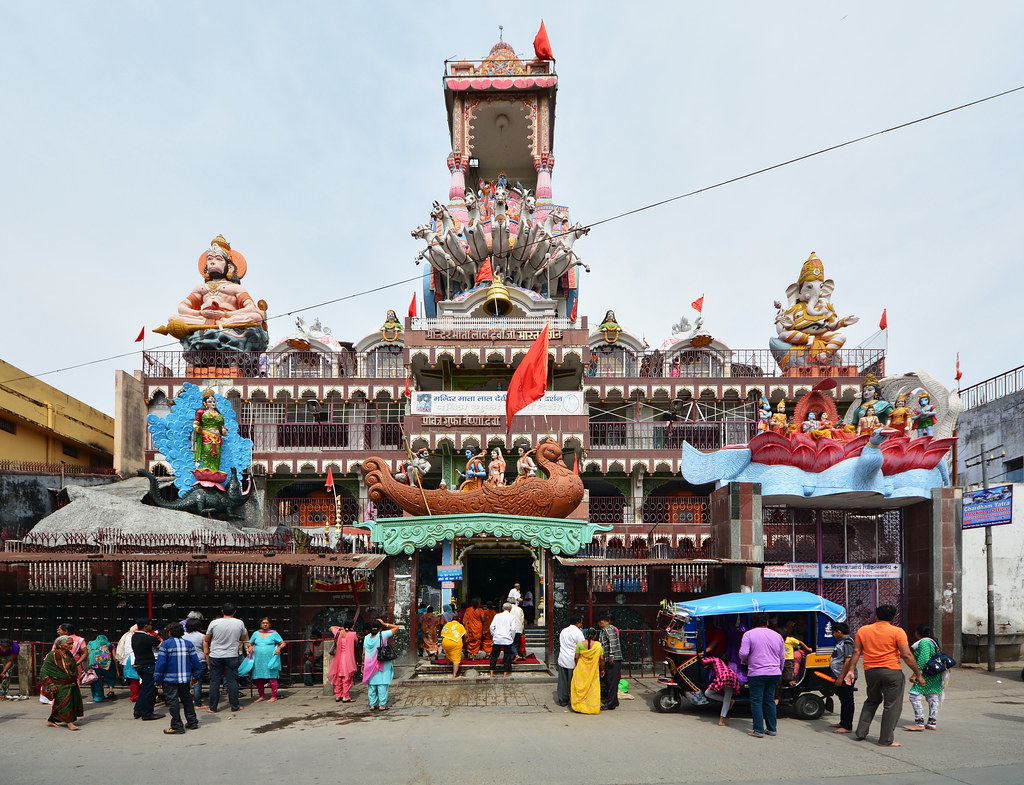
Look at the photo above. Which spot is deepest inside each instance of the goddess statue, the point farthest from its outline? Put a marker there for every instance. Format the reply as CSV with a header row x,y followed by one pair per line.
x,y
899,417
871,396
496,468
808,328
220,313
526,467
392,328
209,431
610,327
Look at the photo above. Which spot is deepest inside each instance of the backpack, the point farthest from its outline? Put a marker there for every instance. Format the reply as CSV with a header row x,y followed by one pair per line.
x,y
938,662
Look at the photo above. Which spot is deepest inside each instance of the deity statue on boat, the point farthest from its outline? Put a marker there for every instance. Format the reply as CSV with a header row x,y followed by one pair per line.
x,y
219,314
808,327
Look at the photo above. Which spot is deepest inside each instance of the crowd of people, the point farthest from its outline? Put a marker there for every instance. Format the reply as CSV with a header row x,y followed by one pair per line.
x,y
181,655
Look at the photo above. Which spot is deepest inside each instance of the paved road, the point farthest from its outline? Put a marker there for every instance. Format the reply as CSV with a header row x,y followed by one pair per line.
x,y
509,732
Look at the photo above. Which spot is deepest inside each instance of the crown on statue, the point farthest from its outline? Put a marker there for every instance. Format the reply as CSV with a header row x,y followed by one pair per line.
x,y
813,269
781,406
220,241
870,380
208,392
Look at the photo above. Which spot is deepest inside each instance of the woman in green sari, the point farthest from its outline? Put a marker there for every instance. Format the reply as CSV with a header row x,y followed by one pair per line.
x,y
60,683
209,433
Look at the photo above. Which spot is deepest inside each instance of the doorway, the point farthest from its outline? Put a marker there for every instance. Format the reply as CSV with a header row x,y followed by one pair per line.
x,y
488,575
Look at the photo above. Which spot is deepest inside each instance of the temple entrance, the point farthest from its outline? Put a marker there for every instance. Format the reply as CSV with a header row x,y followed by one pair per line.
x,y
489,574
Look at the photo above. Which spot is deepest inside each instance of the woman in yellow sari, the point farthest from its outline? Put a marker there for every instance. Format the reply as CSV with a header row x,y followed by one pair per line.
x,y
585,695
452,637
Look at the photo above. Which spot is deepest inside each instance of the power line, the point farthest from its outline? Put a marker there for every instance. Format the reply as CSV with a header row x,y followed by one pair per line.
x,y
634,211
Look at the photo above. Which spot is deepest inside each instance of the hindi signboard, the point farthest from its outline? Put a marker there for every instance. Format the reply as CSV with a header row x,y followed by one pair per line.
x,y
449,572
492,402
861,572
988,507
792,570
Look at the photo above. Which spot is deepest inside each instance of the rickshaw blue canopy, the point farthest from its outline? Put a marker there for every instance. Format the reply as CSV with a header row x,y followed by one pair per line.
x,y
762,602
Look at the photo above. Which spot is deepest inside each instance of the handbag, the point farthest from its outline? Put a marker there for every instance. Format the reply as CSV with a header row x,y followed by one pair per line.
x,y
245,668
385,651
938,662
88,677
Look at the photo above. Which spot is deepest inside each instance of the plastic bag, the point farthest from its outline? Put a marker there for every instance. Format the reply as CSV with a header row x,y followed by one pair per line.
x,y
623,685
246,667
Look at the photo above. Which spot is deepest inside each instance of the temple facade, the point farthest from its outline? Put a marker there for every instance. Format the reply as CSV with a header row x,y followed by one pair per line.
x,y
704,468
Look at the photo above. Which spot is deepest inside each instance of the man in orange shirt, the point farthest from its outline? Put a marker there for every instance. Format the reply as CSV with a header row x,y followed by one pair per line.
x,y
882,645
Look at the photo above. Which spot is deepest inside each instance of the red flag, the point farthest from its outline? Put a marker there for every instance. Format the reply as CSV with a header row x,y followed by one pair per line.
x,y
530,379
576,463
485,273
698,304
412,307
408,379
142,334
330,480
958,373
542,44
575,306
883,323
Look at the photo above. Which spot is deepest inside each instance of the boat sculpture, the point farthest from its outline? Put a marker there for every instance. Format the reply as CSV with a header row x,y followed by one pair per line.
x,y
555,497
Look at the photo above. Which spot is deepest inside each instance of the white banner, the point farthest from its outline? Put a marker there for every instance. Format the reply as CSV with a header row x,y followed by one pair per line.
x,y
792,570
861,571
440,403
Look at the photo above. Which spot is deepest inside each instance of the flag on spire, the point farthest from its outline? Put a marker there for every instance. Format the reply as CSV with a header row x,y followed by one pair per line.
x,y
530,379
412,307
883,323
958,372
698,304
408,384
542,44
329,482
575,306
142,334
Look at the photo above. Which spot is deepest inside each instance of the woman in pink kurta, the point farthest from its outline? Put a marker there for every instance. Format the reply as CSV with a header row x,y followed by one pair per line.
x,y
343,666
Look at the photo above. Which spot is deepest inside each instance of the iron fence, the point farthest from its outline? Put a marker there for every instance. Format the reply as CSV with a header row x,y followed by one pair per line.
x,y
269,437
388,363
39,467
993,389
654,435
609,361
650,510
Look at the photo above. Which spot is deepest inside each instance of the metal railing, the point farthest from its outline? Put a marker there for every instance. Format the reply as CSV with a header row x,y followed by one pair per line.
x,y
270,437
993,389
497,70
688,545
656,435
169,364
649,509
641,652
38,467
609,362
316,511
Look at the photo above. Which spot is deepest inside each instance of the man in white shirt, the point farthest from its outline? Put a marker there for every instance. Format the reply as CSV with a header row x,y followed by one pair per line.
x,y
503,634
220,645
567,641
514,595
519,644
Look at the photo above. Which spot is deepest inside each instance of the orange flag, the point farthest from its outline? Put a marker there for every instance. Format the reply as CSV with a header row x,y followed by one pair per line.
x,y
529,380
698,304
412,307
542,44
330,480
883,323
959,375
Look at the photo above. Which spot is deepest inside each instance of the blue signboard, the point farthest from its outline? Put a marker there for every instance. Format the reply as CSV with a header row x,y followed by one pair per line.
x,y
988,507
449,572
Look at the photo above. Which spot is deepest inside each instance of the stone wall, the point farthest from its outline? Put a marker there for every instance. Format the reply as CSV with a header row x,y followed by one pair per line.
x,y
25,499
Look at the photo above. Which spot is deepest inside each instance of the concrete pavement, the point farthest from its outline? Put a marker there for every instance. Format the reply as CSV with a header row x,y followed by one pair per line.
x,y
511,732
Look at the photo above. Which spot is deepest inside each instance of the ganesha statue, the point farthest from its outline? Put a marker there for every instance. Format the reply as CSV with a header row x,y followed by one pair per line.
x,y
219,314
808,327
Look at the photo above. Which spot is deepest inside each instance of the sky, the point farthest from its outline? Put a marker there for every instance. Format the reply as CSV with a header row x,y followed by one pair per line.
x,y
313,136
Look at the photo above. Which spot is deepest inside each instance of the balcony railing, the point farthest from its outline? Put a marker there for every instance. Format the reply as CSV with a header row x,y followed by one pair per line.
x,y
711,363
272,437
993,389
653,435
274,365
317,511
650,510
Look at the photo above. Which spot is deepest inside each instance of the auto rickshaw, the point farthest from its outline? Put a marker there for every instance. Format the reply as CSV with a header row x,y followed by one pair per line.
x,y
686,632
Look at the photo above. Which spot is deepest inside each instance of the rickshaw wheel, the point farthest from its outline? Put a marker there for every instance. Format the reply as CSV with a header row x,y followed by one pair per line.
x,y
808,706
667,701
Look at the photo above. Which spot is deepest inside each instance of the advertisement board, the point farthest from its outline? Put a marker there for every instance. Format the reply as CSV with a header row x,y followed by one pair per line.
x,y
988,507
792,570
493,402
449,572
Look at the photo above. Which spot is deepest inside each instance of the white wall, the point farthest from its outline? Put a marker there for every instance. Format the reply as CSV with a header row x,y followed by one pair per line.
x,y
1008,571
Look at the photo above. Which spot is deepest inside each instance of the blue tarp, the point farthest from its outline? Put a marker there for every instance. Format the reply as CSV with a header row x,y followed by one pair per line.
x,y
762,602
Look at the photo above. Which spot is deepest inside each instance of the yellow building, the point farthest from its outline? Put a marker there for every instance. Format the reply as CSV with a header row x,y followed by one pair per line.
x,y
39,424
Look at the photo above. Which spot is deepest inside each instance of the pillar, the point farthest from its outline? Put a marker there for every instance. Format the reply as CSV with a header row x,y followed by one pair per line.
x,y
738,533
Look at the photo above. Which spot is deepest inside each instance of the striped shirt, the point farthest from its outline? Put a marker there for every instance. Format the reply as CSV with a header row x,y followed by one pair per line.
x,y
610,643
177,662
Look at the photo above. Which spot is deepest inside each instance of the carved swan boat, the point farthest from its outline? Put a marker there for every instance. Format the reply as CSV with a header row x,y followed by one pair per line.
x,y
555,497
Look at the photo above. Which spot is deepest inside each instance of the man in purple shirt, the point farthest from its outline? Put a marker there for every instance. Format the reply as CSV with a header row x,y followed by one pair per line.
x,y
764,653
